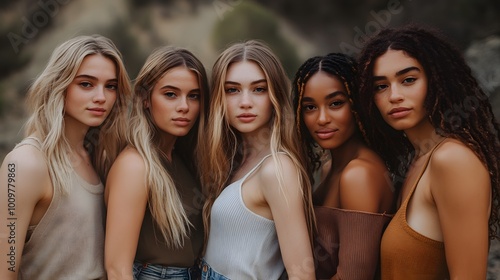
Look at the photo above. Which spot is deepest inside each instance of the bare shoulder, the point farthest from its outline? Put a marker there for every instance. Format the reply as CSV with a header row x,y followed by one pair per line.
x,y
128,174
364,173
270,169
129,161
29,165
364,185
457,174
453,154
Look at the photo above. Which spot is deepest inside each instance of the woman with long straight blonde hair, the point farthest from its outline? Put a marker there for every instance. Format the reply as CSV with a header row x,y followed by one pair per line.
x,y
51,191
154,224
258,213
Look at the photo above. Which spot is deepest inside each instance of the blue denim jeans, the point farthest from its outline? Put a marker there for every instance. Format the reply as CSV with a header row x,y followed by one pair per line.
x,y
158,272
208,273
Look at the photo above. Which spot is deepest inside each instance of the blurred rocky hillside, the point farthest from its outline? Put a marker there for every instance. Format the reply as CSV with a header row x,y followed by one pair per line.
x,y
31,29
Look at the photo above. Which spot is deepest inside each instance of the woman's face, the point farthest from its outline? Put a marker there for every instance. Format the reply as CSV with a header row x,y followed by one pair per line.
x,y
175,101
249,108
326,110
400,88
92,93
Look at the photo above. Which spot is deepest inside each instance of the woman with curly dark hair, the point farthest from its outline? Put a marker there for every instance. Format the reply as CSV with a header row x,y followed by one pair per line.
x,y
425,114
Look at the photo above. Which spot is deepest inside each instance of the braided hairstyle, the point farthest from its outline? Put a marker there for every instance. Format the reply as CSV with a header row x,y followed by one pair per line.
x,y
457,107
336,64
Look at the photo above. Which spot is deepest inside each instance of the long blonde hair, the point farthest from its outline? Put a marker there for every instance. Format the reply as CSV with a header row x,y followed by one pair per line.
x,y
164,202
46,99
220,147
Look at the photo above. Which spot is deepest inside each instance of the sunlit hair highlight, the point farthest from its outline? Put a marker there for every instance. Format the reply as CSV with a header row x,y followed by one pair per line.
x,y
164,201
46,99
222,149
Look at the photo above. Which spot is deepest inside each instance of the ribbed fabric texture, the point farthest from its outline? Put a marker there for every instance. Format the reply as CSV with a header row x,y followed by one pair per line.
x,y
407,254
347,243
68,243
242,244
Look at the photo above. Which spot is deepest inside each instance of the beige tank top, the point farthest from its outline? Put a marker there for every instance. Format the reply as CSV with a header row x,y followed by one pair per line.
x,y
68,242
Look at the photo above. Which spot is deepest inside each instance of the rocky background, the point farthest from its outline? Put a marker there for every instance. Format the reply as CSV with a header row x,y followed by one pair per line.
x,y
296,30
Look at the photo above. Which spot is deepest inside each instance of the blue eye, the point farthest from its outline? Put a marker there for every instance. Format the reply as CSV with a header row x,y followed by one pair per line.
x,y
260,89
231,90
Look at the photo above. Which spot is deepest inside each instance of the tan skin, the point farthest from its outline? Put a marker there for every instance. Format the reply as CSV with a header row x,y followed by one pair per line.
x,y
93,86
452,200
358,178
174,106
247,93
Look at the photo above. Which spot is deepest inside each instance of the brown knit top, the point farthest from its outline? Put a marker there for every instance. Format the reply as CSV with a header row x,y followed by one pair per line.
x,y
347,243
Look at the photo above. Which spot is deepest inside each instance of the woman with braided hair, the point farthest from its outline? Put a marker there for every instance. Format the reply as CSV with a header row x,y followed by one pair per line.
x,y
428,118
355,192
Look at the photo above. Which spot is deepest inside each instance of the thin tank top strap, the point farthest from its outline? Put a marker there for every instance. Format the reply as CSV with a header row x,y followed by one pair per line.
x,y
424,167
32,141
257,166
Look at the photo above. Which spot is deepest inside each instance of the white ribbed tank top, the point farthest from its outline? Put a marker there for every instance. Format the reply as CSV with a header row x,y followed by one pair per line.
x,y
242,244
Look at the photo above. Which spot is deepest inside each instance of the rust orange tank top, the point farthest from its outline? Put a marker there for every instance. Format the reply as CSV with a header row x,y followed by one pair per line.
x,y
407,254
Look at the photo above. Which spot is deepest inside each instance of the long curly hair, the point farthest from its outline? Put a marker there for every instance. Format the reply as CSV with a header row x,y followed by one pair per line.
x,y
340,65
457,107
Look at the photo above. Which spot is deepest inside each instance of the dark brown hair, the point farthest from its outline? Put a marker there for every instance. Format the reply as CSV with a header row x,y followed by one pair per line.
x,y
457,106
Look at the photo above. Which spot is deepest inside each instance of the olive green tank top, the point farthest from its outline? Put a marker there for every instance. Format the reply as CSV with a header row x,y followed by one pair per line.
x,y
151,248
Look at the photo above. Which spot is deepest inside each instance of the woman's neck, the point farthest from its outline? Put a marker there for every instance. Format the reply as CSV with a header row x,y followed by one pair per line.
x,y
166,143
346,152
423,139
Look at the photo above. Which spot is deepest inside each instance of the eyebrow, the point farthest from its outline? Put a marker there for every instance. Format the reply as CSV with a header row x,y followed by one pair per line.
x,y
328,96
84,76
178,89
399,73
252,83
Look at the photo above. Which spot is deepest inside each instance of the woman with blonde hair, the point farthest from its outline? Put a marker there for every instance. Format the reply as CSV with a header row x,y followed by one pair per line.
x,y
52,195
154,224
258,210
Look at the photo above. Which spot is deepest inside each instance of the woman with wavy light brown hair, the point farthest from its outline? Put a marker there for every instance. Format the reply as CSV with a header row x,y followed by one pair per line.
x,y
51,187
426,115
258,213
154,227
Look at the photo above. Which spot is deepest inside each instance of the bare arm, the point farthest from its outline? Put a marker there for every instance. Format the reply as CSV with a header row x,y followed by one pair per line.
x,y
126,198
287,208
461,189
24,181
363,187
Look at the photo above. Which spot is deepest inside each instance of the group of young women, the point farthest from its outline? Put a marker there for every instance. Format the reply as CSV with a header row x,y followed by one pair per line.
x,y
386,167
